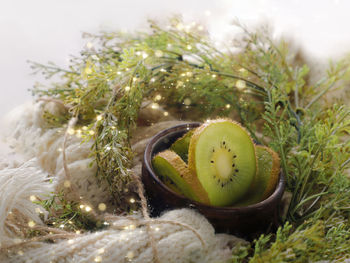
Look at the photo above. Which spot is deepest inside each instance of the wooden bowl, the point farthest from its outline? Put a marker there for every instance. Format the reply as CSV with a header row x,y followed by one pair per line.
x,y
242,221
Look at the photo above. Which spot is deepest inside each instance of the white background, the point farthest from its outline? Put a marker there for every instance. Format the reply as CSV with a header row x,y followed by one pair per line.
x,y
50,30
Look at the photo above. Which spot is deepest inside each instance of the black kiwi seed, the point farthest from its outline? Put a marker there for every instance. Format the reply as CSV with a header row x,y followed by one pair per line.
x,y
234,156
212,161
223,142
233,165
237,170
229,150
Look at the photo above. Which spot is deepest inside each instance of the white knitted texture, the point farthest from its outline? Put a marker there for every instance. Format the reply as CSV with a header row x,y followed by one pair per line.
x,y
174,244
17,185
28,136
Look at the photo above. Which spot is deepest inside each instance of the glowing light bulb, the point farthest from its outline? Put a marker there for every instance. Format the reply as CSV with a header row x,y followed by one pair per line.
x,y
189,74
158,53
31,224
130,255
67,184
187,101
89,45
180,26
240,84
155,106
102,206
88,71
78,133
71,131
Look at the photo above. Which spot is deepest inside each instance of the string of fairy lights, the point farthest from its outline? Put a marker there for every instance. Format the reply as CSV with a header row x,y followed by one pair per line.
x,y
85,130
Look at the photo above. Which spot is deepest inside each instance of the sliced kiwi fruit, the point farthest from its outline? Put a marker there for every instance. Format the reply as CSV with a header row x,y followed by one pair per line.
x,y
180,146
266,178
222,156
170,184
169,165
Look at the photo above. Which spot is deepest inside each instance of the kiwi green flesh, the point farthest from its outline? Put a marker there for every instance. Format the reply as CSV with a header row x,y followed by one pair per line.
x,y
224,161
170,184
180,146
169,172
265,174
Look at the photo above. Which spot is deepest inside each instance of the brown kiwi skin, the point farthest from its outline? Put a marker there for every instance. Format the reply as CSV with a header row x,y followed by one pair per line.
x,y
186,174
195,136
275,171
249,198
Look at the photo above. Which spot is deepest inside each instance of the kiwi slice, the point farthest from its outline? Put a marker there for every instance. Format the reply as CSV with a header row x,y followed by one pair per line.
x,y
169,165
170,184
180,146
222,155
266,178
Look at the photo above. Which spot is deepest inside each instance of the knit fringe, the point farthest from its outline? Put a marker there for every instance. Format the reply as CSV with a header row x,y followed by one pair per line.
x,y
19,187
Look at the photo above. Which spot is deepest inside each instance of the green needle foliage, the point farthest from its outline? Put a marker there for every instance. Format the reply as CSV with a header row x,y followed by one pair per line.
x,y
68,215
263,85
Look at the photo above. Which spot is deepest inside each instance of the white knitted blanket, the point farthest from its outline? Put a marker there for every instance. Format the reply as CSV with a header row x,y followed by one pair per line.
x,y
40,171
